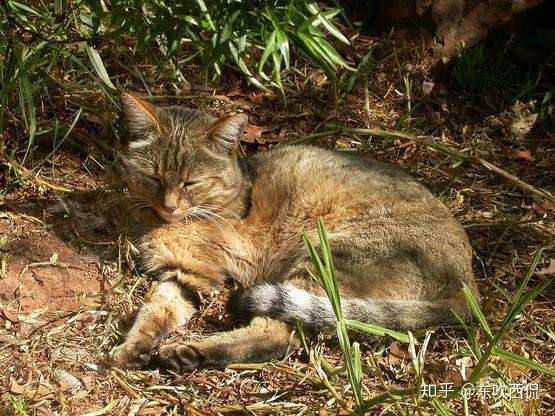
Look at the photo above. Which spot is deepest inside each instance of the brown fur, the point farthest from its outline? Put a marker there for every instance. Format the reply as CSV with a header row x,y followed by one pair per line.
x,y
400,255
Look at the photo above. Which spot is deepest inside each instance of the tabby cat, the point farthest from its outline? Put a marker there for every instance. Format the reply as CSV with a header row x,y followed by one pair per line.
x,y
401,257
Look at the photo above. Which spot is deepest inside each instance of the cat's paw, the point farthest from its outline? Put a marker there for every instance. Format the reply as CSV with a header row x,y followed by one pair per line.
x,y
129,355
181,358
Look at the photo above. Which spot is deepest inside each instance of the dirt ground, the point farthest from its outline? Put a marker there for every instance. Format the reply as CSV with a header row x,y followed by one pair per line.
x,y
68,283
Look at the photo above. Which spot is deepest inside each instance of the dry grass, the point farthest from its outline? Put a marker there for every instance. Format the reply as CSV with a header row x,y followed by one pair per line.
x,y
52,359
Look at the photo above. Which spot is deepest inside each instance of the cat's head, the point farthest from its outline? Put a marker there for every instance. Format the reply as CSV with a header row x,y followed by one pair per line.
x,y
181,162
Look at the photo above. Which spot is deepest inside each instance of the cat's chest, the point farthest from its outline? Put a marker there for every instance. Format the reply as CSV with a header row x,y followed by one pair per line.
x,y
263,250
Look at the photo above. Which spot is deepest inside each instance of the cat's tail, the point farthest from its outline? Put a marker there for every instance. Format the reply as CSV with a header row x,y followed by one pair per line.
x,y
288,303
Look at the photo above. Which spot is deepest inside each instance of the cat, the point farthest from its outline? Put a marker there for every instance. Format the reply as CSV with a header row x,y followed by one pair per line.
x,y
400,255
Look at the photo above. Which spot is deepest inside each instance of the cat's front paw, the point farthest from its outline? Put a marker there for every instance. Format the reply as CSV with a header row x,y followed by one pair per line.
x,y
181,358
129,355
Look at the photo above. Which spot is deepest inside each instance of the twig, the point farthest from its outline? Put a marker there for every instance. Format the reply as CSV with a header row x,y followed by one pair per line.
x,y
432,143
391,395
26,174
43,264
125,386
262,407
382,382
336,396
315,381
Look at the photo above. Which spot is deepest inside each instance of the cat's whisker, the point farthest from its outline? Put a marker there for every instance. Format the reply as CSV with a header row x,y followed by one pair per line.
x,y
209,216
217,219
222,209
215,208
196,217
222,219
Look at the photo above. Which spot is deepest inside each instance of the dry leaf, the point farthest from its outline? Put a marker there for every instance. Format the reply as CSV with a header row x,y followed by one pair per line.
x,y
513,369
44,411
253,134
99,412
318,77
31,317
521,154
136,406
31,393
9,315
443,372
523,125
541,208
547,271
67,381
87,381
397,354
256,98
545,163
464,364
456,201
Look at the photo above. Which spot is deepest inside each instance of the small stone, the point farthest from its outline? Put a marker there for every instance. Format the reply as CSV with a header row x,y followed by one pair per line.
x,y
68,382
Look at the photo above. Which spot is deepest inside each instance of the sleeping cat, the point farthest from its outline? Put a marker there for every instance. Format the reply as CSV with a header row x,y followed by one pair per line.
x,y
401,257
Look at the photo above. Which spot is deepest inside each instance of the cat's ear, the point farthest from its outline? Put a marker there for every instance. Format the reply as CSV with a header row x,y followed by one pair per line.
x,y
142,117
227,131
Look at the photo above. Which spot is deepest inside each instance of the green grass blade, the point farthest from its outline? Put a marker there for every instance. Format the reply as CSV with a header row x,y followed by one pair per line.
x,y
306,44
520,301
28,109
23,7
243,67
328,281
204,10
376,330
98,66
283,45
517,308
270,47
76,118
520,360
476,311
314,9
357,366
531,269
300,332
440,408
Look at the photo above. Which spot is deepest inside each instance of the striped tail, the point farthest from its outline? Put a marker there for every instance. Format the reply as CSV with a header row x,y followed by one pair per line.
x,y
287,303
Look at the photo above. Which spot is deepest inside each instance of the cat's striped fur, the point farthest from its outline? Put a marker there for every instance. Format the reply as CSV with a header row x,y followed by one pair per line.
x,y
401,257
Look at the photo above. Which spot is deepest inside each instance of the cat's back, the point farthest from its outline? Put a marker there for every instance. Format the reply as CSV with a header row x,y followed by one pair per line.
x,y
370,208
309,170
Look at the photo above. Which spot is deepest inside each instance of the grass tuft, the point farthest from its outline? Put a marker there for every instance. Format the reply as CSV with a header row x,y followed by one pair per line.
x,y
325,275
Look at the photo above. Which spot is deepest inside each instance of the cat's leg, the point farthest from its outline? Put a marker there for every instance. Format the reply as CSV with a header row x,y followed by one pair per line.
x,y
262,340
166,309
171,254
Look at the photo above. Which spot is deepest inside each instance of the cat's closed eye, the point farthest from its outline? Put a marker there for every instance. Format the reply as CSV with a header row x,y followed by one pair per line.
x,y
189,184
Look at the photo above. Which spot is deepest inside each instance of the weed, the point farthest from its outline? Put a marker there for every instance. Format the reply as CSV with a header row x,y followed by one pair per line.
x,y
325,275
13,405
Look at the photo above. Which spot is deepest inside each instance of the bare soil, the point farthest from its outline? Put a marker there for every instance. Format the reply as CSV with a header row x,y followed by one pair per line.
x,y
36,282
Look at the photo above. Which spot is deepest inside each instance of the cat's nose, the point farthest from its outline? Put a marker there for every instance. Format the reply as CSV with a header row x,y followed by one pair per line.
x,y
170,208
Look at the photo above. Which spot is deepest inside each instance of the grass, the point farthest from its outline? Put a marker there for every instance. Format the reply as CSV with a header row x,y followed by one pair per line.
x,y
12,405
60,132
483,352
